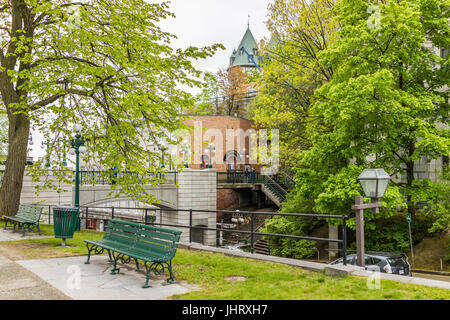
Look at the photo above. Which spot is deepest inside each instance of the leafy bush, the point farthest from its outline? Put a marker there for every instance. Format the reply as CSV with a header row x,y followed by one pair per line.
x,y
286,247
339,193
437,199
392,234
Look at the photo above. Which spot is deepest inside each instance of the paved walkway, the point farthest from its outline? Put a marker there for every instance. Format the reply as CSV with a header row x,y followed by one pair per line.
x,y
18,283
8,235
71,278
93,281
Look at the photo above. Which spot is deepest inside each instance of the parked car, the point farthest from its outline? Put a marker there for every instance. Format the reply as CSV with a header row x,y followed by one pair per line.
x,y
383,262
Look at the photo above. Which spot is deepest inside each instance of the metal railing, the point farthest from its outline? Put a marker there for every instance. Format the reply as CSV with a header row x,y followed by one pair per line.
x,y
274,183
155,216
235,177
109,177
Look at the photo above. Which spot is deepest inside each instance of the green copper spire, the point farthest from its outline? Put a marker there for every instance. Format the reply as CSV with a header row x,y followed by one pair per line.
x,y
239,57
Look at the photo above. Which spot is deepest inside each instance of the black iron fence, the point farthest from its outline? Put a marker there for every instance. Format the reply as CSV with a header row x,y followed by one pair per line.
x,y
155,216
109,177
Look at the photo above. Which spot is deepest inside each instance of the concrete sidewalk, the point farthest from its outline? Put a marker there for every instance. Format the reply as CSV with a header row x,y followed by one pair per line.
x,y
18,283
93,281
70,278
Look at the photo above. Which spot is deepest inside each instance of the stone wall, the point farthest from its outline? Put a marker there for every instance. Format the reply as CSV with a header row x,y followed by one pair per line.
x,y
197,190
227,199
53,197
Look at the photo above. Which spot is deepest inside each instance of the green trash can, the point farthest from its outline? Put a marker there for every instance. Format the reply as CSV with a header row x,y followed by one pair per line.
x,y
66,221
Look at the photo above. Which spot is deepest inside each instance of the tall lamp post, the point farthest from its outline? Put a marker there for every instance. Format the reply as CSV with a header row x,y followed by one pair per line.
x,y
211,149
162,148
374,183
77,147
185,150
46,146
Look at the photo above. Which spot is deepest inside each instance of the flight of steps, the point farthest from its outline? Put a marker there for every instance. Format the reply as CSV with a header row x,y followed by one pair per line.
x,y
262,247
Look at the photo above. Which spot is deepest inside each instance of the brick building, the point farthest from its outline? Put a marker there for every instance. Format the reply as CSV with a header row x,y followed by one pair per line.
x,y
233,142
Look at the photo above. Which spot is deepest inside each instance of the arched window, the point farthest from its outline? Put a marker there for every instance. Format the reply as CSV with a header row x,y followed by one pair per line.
x,y
231,158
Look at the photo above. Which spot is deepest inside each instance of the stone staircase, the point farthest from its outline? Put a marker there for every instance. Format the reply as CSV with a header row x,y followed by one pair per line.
x,y
262,247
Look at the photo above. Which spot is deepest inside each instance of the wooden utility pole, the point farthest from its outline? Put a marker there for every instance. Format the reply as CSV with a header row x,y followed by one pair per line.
x,y
359,216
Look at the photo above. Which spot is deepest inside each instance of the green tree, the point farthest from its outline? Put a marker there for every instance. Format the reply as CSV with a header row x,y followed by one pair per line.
x,y
387,102
208,100
103,64
292,72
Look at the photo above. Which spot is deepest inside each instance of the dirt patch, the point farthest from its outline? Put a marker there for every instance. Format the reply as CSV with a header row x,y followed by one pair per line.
x,y
25,250
235,278
427,252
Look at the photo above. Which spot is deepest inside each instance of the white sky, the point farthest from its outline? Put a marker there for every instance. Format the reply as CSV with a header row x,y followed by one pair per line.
x,y
205,22
202,23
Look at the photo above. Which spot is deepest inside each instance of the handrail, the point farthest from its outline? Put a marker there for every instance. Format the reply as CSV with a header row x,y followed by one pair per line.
x,y
89,212
107,177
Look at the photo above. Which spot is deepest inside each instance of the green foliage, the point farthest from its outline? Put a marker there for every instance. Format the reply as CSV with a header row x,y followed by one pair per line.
x,y
291,248
292,71
384,107
105,65
385,100
206,100
392,235
437,199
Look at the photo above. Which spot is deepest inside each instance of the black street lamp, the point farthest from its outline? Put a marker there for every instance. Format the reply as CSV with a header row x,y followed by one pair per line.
x,y
78,147
162,148
46,146
374,183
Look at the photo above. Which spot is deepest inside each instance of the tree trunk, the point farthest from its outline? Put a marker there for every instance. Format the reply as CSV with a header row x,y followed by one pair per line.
x,y
19,127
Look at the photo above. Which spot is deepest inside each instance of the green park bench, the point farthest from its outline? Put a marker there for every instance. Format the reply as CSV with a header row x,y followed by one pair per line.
x,y
27,216
125,241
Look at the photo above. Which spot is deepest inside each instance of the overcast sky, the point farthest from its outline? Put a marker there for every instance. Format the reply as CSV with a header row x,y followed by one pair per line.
x,y
202,23
205,22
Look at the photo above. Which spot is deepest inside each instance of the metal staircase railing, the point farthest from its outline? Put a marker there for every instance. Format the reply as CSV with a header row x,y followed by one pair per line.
x,y
275,188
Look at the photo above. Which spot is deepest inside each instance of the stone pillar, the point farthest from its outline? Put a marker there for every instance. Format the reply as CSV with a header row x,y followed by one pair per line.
x,y
198,191
333,246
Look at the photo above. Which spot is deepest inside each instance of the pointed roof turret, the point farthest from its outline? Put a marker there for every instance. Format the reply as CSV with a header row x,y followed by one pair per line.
x,y
239,57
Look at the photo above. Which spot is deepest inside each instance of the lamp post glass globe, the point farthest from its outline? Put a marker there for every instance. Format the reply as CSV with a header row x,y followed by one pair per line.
x,y
82,149
77,128
374,182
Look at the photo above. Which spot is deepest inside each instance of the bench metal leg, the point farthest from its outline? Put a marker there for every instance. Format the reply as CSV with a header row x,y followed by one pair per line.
x,y
116,270
171,279
148,269
137,265
96,249
110,257
159,268
89,253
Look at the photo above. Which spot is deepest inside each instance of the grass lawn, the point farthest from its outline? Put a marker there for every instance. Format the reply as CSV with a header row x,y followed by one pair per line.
x,y
221,277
